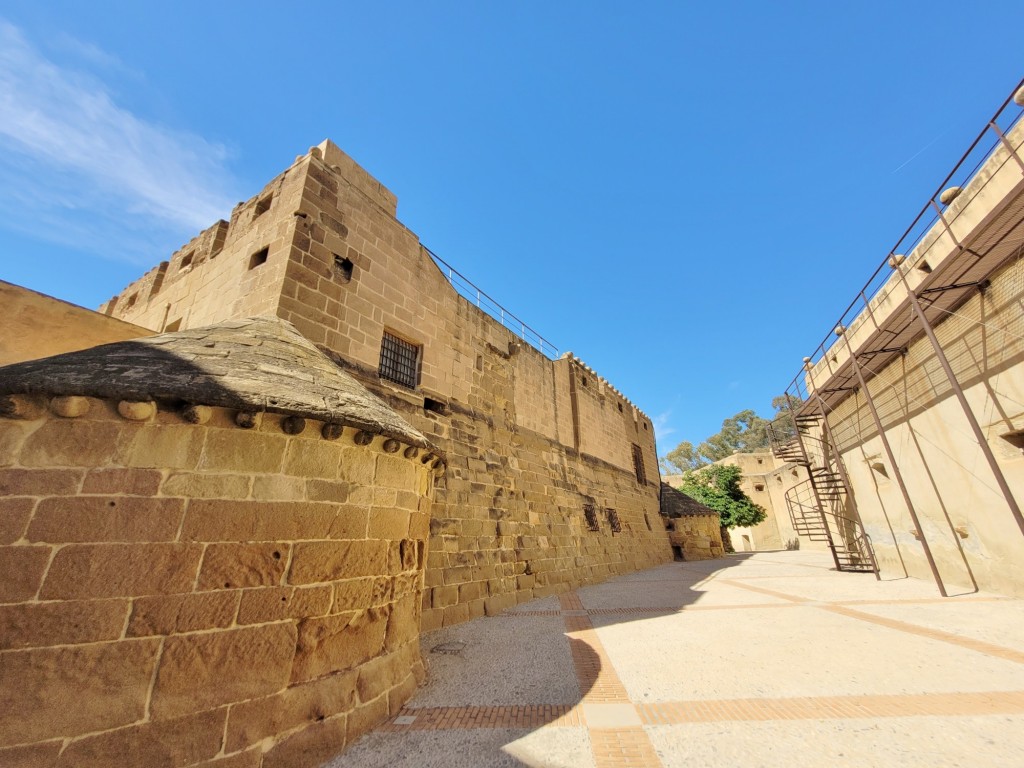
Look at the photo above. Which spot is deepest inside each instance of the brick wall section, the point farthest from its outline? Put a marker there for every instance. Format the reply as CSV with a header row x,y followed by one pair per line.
x,y
179,595
529,443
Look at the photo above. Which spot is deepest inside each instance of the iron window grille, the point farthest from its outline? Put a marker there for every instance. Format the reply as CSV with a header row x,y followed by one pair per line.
x,y
638,464
591,516
613,520
399,361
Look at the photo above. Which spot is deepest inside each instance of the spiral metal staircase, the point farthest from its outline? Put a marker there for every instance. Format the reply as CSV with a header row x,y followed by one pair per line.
x,y
817,506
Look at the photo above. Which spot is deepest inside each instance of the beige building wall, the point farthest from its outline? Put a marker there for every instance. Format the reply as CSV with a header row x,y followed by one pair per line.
x,y
37,325
531,443
964,516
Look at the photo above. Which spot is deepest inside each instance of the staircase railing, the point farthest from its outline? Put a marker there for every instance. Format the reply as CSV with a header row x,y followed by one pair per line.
x,y
817,505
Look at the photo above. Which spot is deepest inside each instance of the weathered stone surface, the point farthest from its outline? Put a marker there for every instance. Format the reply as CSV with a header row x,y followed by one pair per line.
x,y
233,450
121,570
209,520
352,594
21,571
235,364
28,625
320,561
121,480
276,603
251,758
70,406
175,614
403,623
109,680
383,673
210,669
106,518
205,485
388,523
74,443
43,755
252,721
39,482
366,717
231,566
162,744
338,642
161,446
14,515
310,746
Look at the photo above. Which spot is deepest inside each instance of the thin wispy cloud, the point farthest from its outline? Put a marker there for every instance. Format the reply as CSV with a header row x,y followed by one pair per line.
x,y
661,425
79,169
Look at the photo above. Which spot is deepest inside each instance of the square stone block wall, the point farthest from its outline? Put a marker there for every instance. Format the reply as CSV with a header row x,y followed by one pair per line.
x,y
698,536
531,443
176,594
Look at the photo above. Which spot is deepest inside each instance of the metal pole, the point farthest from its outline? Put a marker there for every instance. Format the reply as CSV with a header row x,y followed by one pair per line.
x,y
814,485
1011,502
840,331
830,441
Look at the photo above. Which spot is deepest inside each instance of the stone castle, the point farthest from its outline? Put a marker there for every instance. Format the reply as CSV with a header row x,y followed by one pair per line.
x,y
226,538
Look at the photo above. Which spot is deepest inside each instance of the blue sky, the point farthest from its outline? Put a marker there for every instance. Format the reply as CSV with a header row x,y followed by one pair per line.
x,y
684,195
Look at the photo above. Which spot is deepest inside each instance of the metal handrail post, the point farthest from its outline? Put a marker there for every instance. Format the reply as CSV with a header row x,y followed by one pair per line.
x,y
840,331
997,472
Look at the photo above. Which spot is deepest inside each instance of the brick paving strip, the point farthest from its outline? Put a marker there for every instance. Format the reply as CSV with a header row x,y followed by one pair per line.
x,y
616,725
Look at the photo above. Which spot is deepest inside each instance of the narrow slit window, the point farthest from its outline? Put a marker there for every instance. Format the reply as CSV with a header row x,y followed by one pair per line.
x,y
399,361
638,464
258,258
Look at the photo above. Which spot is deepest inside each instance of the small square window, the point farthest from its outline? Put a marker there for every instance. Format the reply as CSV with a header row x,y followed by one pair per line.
x,y
262,206
399,361
258,258
186,260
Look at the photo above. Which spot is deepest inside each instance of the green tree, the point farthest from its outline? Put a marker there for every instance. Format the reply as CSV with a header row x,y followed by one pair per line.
x,y
718,487
746,432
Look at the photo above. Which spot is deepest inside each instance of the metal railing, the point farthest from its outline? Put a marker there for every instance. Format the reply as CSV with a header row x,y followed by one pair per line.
x,y
993,136
467,290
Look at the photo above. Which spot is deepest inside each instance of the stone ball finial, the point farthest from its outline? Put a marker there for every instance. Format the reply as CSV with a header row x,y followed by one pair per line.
x,y
949,195
840,330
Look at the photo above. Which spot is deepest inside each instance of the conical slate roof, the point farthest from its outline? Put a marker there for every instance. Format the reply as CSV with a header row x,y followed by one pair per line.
x,y
675,503
253,364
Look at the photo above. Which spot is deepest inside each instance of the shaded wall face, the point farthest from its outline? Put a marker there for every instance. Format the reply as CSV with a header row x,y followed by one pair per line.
x,y
964,517
699,537
171,592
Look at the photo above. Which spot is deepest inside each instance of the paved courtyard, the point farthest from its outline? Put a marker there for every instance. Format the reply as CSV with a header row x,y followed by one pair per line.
x,y
759,659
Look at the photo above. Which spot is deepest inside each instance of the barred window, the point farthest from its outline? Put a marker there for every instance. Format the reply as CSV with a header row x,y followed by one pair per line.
x,y
613,520
399,361
638,464
591,515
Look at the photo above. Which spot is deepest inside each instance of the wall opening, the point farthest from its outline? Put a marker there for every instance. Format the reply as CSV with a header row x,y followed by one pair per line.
x,y
131,300
262,206
186,260
613,520
1016,438
590,515
399,361
436,406
648,521
343,267
172,326
638,464
677,553
258,258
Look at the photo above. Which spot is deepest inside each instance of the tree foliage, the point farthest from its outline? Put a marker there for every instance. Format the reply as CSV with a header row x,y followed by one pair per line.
x,y
718,487
746,432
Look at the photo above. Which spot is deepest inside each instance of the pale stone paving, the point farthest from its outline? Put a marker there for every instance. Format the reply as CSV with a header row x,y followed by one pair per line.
x,y
694,664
